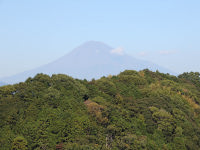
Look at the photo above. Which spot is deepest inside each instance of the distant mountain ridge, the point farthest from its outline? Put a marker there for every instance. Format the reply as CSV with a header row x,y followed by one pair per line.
x,y
90,60
2,83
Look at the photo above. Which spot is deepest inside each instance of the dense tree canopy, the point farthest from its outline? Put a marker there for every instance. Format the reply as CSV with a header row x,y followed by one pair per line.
x,y
132,110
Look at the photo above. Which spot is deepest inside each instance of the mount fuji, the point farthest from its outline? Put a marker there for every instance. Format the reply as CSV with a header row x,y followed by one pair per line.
x,y
90,60
2,83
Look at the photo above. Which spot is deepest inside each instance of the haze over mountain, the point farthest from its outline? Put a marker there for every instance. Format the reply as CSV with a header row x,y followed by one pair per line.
x,y
90,60
2,83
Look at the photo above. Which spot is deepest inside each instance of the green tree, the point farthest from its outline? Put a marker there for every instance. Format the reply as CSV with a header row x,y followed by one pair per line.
x,y
164,121
19,143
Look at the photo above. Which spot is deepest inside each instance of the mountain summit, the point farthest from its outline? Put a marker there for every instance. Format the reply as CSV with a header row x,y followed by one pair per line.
x,y
90,60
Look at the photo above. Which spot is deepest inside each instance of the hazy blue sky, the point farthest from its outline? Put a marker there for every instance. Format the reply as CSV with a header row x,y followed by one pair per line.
x,y
35,32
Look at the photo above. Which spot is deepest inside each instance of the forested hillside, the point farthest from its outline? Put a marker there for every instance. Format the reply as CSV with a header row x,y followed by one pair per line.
x,y
132,110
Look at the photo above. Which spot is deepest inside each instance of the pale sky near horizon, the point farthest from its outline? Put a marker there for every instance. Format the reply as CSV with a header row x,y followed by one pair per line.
x,y
34,32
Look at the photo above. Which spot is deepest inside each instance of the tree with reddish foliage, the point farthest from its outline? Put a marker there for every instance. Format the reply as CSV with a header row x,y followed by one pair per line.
x,y
59,146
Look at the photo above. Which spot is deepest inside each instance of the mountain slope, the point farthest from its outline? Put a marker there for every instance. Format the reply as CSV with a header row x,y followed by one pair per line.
x,y
2,83
90,60
133,110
